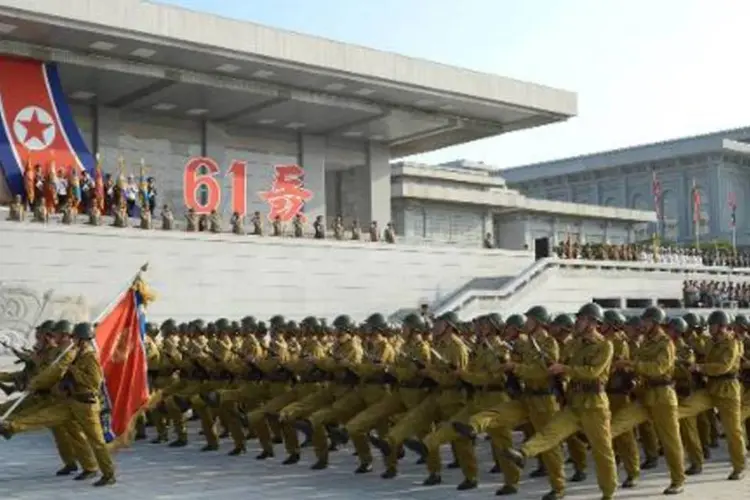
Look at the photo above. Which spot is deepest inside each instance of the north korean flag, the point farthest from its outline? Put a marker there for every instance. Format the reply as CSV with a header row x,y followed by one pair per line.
x,y
37,124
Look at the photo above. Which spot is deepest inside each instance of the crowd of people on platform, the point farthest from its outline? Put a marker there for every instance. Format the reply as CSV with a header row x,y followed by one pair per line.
x,y
647,252
707,294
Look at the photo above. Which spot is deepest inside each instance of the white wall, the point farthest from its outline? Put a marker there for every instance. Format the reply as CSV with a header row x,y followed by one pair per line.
x,y
209,276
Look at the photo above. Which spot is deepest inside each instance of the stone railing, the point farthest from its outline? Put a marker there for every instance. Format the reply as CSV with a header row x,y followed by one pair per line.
x,y
529,276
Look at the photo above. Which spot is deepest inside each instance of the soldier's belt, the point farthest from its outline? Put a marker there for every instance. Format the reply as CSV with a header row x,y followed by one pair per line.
x,y
655,383
495,388
538,392
586,387
683,390
411,384
723,376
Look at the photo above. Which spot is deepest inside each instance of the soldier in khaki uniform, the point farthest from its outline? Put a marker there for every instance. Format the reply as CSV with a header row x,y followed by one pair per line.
x,y
451,362
699,342
367,387
685,385
723,391
81,376
485,384
587,411
533,353
654,365
407,393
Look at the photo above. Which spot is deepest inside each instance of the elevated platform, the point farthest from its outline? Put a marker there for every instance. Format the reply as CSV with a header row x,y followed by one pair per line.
x,y
213,275
160,473
563,285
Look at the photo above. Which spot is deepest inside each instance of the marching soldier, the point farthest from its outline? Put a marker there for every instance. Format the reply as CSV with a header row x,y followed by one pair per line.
x,y
654,365
80,375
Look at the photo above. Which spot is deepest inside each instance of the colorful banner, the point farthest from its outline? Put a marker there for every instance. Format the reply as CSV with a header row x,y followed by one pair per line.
x,y
37,125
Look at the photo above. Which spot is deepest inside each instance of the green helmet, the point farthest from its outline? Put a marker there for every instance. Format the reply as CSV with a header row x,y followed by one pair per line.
x,y
450,317
564,321
655,314
83,331
63,326
741,320
591,311
222,325
634,321
343,323
46,327
235,326
516,320
249,323
377,322
692,320
719,317
495,320
539,313
678,325
414,321
614,318
277,321
262,328
292,326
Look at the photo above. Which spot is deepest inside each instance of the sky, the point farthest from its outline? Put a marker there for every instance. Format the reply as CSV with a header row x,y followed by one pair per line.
x,y
644,70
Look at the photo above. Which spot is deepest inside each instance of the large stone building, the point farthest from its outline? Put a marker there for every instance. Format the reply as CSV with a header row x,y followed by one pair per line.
x,y
716,162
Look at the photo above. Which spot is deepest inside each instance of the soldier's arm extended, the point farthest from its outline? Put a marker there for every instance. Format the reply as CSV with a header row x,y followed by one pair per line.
x,y
728,360
660,367
53,373
455,359
598,366
413,359
535,366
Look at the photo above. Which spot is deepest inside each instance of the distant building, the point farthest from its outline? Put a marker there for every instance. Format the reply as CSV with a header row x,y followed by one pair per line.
x,y
717,162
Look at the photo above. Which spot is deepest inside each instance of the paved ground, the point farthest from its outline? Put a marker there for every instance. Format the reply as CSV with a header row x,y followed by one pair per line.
x,y
27,465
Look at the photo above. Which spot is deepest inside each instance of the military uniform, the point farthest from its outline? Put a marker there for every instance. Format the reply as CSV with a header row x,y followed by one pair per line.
x,y
723,390
654,364
587,407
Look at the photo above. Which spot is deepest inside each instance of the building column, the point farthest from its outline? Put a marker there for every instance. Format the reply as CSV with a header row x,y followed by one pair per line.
x,y
716,201
312,158
378,175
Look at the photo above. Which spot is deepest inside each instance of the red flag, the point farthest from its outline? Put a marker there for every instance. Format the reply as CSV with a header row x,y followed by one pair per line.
x,y
656,191
696,203
122,356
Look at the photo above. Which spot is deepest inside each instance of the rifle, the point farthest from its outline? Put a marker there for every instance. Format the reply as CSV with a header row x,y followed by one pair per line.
x,y
557,381
512,382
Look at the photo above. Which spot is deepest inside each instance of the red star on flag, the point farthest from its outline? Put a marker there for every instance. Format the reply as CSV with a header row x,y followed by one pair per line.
x,y
35,128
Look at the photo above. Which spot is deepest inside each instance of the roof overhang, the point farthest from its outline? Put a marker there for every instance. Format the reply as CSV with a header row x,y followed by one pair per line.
x,y
503,200
158,58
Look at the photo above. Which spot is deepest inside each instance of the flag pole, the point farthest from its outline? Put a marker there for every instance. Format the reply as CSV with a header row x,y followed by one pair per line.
x,y
25,394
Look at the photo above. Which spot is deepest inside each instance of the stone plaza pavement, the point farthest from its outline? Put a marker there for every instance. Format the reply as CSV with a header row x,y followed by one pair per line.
x,y
155,472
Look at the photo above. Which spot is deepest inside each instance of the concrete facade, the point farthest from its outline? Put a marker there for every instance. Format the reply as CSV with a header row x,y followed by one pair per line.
x,y
460,203
210,276
717,162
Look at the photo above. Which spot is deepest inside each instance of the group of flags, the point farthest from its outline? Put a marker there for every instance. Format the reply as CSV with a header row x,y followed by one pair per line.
x,y
695,195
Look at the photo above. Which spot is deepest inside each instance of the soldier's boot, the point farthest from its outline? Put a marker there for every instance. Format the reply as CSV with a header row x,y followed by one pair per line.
x,y
264,455
467,484
5,430
237,451
319,465
495,469
210,447
432,480
105,481
363,469
694,470
673,489
389,473
736,475
338,434
67,470
87,474
453,465
650,463
277,440
417,446
180,442
291,459
540,471
381,444
706,453
554,495
629,483
578,477
506,490
305,427
465,430
159,440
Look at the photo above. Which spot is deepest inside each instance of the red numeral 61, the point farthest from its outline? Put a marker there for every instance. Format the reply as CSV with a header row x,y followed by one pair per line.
x,y
202,172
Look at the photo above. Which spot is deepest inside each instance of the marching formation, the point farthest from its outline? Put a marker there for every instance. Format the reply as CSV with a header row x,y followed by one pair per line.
x,y
593,382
